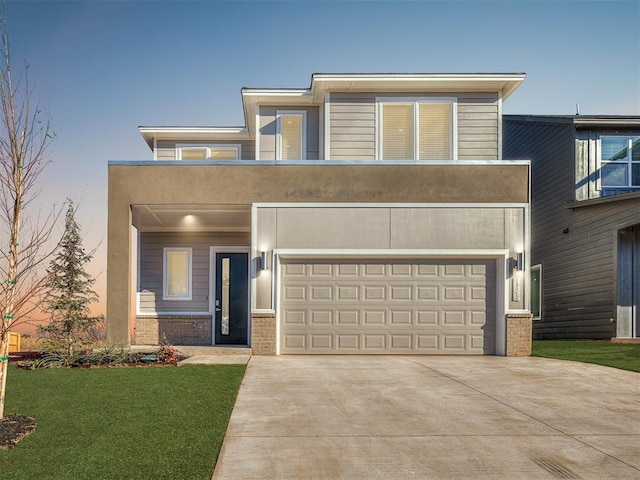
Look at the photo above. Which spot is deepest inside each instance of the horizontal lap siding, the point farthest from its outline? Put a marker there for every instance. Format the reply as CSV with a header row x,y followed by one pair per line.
x,y
478,126
151,264
166,149
578,267
352,125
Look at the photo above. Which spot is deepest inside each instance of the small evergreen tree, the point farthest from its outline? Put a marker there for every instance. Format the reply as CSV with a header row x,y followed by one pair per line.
x,y
69,290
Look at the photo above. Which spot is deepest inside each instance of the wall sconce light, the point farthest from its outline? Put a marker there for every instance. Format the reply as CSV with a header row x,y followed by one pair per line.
x,y
520,261
263,261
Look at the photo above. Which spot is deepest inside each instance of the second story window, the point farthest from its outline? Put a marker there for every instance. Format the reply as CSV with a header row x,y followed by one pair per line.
x,y
620,161
416,129
291,135
207,152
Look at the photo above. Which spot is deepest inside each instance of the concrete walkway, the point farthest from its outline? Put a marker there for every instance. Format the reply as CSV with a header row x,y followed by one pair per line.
x,y
369,417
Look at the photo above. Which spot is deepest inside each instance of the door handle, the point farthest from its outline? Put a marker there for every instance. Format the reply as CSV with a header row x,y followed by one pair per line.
x,y
218,309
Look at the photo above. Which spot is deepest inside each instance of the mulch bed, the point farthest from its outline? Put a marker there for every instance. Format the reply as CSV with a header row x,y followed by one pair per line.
x,y
13,428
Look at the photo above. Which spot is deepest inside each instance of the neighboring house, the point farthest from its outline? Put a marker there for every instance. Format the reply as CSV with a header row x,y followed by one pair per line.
x,y
585,222
368,213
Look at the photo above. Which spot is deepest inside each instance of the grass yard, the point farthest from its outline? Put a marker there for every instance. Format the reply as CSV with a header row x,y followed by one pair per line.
x,y
121,423
617,355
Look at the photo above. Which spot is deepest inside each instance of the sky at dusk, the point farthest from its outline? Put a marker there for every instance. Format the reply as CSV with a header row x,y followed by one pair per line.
x,y
102,68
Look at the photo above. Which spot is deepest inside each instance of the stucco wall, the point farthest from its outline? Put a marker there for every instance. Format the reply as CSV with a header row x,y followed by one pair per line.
x,y
156,183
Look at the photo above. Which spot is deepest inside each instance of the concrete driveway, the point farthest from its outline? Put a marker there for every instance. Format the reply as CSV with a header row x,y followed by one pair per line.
x,y
387,417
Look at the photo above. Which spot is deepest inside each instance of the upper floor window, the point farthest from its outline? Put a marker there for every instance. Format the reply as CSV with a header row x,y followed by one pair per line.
x,y
416,128
207,152
620,161
291,138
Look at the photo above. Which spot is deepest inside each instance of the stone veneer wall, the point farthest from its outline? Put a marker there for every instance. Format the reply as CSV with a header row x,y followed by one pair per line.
x,y
174,329
263,333
519,330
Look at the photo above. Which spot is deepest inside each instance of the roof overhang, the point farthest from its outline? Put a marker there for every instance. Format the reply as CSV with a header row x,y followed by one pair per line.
x,y
582,121
322,83
621,197
281,97
196,134
505,83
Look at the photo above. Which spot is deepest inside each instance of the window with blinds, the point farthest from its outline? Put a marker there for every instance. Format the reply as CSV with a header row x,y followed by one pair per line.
x,y
208,152
415,130
177,274
291,135
193,153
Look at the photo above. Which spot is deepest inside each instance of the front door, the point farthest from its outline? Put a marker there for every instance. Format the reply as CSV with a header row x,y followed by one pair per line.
x,y
232,298
628,291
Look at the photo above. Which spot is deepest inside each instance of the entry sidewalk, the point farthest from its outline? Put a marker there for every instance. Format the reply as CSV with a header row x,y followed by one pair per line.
x,y
387,417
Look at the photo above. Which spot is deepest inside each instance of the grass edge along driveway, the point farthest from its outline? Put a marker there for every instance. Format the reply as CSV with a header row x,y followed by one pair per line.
x,y
617,355
151,422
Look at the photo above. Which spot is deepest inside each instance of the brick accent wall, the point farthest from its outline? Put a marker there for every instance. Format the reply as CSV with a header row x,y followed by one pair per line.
x,y
263,334
519,328
176,329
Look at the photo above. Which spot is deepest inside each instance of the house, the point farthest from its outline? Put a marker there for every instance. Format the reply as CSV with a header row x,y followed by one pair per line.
x,y
585,212
368,213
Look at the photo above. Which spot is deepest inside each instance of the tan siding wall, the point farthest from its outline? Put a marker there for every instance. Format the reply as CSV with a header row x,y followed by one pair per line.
x,y
166,149
478,126
268,131
151,264
352,125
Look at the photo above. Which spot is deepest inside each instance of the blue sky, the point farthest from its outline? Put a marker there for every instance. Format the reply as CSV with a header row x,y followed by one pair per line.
x,y
101,68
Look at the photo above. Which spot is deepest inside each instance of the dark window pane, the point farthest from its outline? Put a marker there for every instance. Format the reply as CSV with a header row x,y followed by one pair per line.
x,y
635,175
635,151
614,148
614,175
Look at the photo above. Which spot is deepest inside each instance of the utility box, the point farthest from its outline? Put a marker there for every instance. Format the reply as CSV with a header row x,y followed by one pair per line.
x,y
14,342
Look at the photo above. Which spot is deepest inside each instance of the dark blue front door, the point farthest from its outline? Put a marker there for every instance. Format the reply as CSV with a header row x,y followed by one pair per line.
x,y
232,298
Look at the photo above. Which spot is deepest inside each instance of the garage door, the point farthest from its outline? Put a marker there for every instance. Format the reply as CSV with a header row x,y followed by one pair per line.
x,y
388,306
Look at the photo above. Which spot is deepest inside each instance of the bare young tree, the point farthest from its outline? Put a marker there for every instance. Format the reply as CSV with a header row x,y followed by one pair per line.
x,y
26,239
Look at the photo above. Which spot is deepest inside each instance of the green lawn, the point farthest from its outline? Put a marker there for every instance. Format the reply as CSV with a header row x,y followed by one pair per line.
x,y
623,356
121,423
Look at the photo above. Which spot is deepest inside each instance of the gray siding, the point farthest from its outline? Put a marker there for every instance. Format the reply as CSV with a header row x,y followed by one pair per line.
x,y
151,262
578,267
268,131
352,125
166,149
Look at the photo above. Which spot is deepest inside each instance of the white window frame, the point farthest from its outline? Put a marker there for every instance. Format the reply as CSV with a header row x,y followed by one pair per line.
x,y
165,273
303,142
415,101
630,138
208,148
539,268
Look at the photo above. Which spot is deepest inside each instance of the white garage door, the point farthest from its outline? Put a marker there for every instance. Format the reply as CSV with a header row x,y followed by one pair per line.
x,y
400,306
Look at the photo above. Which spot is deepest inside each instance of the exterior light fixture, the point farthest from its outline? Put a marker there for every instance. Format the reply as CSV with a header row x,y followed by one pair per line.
x,y
520,261
263,261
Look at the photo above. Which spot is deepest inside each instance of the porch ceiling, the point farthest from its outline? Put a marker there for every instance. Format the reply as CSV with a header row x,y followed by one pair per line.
x,y
192,218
